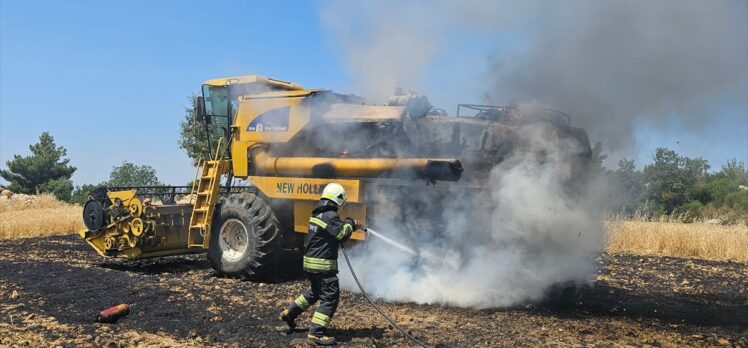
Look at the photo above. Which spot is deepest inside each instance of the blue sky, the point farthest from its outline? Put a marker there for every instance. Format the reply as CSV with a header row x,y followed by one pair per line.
x,y
109,80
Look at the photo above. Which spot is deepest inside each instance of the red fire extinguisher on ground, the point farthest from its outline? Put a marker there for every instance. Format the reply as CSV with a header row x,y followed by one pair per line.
x,y
112,314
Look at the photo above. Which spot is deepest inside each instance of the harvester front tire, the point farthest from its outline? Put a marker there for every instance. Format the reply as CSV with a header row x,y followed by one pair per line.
x,y
244,238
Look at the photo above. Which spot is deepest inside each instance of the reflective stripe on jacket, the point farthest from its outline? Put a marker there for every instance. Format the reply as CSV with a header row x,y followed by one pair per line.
x,y
326,232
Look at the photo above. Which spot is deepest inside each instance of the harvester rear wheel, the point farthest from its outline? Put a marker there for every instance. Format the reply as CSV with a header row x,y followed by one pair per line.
x,y
244,238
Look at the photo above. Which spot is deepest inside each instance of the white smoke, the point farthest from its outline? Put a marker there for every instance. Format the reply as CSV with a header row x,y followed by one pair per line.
x,y
530,233
382,56
610,64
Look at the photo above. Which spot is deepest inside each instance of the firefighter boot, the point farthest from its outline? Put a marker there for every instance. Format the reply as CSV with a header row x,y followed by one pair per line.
x,y
289,319
321,339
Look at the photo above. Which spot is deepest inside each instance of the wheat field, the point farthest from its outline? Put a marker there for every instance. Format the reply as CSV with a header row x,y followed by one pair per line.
x,y
43,215
33,216
697,240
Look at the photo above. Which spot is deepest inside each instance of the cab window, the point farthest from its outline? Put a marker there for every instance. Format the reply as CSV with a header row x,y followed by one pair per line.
x,y
217,105
216,100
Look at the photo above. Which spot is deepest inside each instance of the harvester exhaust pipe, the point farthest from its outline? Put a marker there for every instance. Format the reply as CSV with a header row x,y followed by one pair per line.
x,y
322,167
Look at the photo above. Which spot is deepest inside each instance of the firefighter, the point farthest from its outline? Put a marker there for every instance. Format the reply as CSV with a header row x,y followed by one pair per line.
x,y
326,232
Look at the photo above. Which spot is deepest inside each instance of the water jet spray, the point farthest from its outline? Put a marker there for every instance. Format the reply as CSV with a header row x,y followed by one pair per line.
x,y
390,241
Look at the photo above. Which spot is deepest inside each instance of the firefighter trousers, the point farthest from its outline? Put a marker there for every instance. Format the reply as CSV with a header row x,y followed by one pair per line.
x,y
326,290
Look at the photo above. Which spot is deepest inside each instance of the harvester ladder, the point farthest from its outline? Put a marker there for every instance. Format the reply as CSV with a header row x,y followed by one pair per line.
x,y
205,194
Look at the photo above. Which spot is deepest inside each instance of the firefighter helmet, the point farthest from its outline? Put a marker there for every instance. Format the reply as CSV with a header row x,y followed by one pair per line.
x,y
336,193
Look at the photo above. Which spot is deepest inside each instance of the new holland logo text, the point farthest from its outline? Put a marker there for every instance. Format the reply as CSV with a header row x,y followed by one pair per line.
x,y
275,120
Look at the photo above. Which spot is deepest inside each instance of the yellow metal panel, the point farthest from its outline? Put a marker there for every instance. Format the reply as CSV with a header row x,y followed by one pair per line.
x,y
96,243
240,160
253,79
303,188
292,116
250,109
302,211
125,196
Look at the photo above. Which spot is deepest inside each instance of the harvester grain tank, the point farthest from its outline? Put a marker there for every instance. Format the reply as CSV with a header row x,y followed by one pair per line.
x,y
288,142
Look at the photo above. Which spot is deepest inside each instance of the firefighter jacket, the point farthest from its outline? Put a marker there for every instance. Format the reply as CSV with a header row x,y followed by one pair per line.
x,y
326,232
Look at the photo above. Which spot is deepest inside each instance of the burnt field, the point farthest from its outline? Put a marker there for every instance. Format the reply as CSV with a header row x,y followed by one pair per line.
x,y
51,289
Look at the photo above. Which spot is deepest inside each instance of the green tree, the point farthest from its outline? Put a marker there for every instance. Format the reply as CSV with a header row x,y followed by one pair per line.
x,y
695,170
721,192
81,193
597,158
45,170
129,174
734,171
627,188
670,180
192,137
679,186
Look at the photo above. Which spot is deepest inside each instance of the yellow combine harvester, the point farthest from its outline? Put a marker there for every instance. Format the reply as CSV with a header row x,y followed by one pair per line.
x,y
242,233
289,142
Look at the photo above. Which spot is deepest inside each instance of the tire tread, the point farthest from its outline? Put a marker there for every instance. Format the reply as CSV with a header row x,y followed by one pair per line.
x,y
265,229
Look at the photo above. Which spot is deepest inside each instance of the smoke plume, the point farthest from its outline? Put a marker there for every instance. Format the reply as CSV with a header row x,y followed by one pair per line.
x,y
501,246
610,64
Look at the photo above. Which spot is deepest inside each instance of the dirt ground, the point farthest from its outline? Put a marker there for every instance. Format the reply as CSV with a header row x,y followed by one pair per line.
x,y
51,289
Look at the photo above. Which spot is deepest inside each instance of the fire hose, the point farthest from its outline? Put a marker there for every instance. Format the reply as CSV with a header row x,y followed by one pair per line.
x,y
363,292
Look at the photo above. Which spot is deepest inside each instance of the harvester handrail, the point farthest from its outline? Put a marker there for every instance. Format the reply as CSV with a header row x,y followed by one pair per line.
x,y
218,148
528,114
169,193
